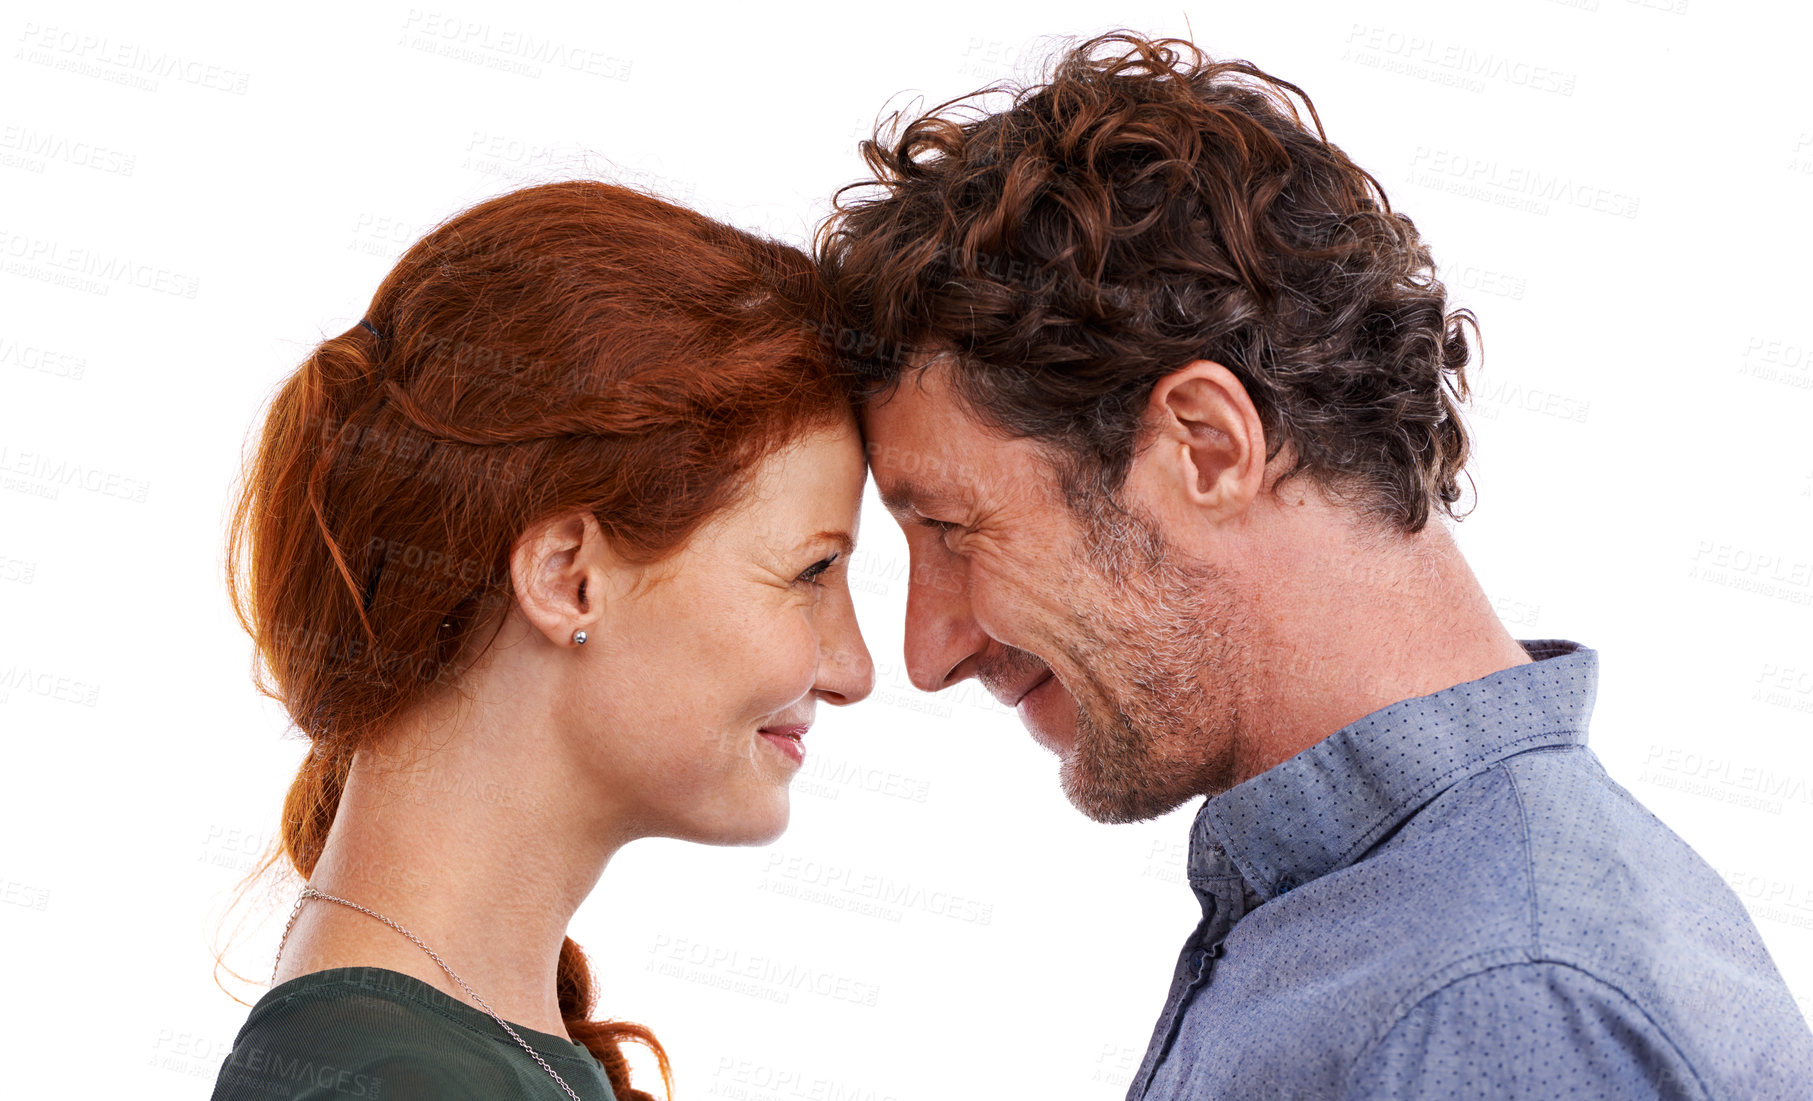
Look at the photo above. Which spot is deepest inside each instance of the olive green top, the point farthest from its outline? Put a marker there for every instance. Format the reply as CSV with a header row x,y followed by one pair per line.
x,y
351,1033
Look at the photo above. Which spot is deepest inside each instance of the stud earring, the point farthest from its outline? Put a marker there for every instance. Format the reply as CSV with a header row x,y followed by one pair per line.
x,y
579,638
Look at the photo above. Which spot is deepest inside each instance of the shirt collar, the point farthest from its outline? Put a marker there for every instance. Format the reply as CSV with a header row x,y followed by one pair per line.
x,y
1322,809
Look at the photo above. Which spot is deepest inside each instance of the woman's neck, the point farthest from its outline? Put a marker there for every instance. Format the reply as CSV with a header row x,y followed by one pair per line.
x,y
466,843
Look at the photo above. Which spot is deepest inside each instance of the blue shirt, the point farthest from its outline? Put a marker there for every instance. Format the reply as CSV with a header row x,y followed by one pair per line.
x,y
1449,898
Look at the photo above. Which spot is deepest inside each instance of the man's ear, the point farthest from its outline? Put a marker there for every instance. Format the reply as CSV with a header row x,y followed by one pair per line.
x,y
1204,446
564,570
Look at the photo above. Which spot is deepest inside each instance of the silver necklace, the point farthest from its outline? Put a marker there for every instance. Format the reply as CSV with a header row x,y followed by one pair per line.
x,y
309,892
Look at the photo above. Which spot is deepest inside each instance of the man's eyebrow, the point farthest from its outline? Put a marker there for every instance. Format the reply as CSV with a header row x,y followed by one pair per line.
x,y
906,494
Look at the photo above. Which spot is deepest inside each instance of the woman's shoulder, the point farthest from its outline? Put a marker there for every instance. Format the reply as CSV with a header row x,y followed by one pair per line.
x,y
372,1034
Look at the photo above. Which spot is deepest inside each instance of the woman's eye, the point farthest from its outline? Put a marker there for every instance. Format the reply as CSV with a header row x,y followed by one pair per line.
x,y
811,575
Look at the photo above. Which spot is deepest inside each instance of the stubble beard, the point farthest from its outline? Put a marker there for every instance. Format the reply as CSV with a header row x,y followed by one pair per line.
x,y
1165,670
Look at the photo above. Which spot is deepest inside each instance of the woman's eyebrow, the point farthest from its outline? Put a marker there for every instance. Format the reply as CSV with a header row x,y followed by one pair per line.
x,y
842,538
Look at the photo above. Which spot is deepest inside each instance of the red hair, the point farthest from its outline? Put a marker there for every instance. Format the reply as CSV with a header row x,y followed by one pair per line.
x,y
570,346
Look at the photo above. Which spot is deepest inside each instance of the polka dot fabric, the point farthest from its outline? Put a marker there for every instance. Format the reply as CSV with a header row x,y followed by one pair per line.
x,y
1449,898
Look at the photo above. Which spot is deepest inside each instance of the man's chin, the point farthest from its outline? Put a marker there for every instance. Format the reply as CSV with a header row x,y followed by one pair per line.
x,y
1059,744
1112,803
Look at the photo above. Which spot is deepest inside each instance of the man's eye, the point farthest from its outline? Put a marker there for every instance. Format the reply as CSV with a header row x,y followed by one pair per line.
x,y
941,525
812,572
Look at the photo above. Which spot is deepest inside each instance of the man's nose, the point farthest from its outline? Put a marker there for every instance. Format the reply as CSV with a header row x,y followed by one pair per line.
x,y
941,629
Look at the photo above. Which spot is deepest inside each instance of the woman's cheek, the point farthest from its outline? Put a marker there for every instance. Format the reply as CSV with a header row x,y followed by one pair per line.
x,y
792,660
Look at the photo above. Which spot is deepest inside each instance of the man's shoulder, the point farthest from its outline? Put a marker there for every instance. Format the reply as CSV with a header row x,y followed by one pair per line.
x,y
1503,1023
1544,879
1543,1024
1537,881
1542,855
1544,852
1611,883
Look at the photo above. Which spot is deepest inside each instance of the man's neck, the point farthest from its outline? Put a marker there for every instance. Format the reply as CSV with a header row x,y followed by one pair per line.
x,y
1353,622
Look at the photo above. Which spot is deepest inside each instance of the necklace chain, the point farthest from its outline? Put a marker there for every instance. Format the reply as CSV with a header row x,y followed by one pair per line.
x,y
309,892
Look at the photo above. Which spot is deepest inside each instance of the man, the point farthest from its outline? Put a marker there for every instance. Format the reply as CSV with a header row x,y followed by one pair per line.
x,y
1166,400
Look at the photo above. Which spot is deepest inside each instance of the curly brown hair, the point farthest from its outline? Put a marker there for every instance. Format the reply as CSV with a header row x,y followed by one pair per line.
x,y
1147,207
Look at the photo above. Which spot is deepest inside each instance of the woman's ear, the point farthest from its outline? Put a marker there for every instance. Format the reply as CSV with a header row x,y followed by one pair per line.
x,y
562,568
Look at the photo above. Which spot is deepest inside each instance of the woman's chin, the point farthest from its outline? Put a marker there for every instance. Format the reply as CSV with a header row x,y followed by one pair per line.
x,y
771,826
749,826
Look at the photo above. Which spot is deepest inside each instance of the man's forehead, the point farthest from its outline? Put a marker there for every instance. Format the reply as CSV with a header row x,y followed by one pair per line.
x,y
908,438
914,475
925,448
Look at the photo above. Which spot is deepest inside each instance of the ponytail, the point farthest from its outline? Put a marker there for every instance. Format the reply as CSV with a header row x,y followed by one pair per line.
x,y
310,806
573,982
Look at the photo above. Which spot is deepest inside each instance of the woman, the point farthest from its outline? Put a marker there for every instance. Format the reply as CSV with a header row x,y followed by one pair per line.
x,y
544,555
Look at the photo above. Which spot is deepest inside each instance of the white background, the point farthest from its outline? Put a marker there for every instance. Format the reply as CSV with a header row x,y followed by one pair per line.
x,y
188,203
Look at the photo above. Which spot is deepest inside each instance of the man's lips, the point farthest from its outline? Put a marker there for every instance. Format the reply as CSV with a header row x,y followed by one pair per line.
x,y
1044,714
1031,688
1011,674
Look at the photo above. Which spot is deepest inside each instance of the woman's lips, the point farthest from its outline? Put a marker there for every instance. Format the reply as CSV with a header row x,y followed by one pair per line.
x,y
787,739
